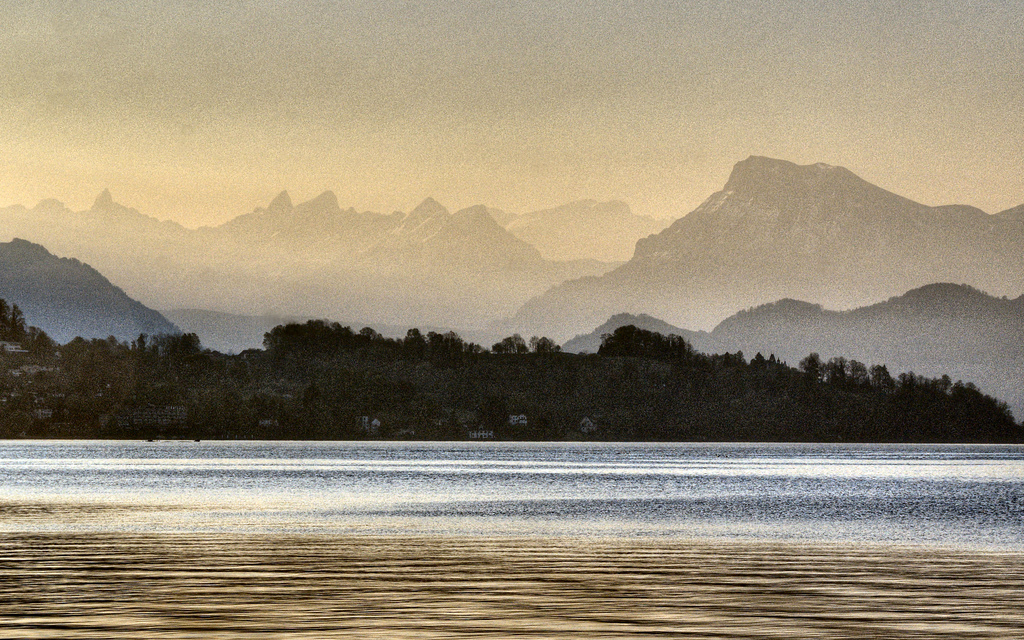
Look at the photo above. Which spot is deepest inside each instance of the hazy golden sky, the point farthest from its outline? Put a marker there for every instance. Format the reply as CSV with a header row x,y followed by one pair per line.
x,y
198,111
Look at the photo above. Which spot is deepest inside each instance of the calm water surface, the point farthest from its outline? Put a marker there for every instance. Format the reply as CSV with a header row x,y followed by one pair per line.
x,y
443,541
950,496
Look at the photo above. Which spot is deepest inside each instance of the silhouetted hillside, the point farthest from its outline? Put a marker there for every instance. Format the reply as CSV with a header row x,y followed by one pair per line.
x,y
66,298
322,380
233,333
591,342
933,330
1016,214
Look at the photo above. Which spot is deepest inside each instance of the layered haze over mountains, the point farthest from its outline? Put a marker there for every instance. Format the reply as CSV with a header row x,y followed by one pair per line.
x,y
937,330
776,231
68,299
427,266
779,230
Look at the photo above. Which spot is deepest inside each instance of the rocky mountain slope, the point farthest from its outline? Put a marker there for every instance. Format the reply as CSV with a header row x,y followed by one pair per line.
x,y
778,230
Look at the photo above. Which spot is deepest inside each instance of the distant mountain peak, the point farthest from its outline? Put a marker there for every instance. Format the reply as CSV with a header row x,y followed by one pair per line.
x,y
423,221
584,229
25,248
104,201
591,342
282,203
477,215
618,319
429,208
941,294
759,172
326,200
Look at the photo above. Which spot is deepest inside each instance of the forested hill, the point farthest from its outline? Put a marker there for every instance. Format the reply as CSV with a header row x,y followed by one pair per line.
x,y
320,380
938,329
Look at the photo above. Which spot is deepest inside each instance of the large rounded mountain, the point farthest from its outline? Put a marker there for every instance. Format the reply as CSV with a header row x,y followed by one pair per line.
x,y
780,230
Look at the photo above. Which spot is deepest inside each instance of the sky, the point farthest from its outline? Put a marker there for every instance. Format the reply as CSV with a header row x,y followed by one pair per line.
x,y
199,111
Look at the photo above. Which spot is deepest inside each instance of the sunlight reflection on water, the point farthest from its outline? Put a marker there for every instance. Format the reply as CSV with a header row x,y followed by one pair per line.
x,y
453,540
946,495
190,586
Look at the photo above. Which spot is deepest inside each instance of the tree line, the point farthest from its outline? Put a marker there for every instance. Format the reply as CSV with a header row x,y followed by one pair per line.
x,y
321,380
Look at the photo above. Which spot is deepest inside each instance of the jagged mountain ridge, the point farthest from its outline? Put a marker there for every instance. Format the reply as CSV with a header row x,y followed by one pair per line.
x,y
319,224
312,259
778,230
66,298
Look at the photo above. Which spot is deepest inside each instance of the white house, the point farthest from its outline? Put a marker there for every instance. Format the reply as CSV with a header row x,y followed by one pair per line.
x,y
370,426
587,425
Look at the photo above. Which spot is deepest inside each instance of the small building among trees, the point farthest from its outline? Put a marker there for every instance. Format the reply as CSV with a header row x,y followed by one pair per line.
x,y
587,425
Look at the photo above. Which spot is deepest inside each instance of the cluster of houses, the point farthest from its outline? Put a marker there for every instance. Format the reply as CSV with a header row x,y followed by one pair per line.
x,y
21,392
153,417
12,347
40,403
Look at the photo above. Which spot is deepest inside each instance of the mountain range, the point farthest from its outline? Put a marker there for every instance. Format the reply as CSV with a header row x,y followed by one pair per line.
x,y
935,330
316,259
776,233
584,230
778,230
66,298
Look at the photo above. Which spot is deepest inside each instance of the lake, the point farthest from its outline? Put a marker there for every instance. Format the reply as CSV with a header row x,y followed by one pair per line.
x,y
938,495
544,540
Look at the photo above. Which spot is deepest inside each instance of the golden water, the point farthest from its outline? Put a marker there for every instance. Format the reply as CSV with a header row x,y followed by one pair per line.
x,y
122,585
